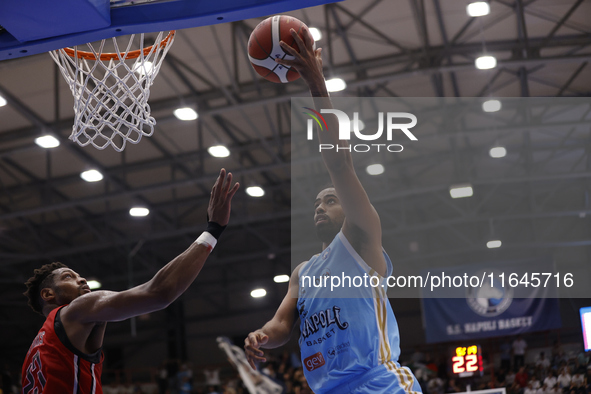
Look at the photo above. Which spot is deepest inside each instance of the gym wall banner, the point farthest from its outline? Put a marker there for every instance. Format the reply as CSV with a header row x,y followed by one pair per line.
x,y
502,306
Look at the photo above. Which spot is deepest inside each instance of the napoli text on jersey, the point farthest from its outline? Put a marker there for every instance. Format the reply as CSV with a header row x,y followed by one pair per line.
x,y
349,337
54,366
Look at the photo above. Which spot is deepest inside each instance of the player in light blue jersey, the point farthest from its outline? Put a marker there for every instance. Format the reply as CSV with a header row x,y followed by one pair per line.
x,y
349,338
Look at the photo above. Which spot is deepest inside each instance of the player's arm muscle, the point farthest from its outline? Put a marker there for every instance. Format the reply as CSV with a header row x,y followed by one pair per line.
x,y
280,327
278,330
159,292
362,221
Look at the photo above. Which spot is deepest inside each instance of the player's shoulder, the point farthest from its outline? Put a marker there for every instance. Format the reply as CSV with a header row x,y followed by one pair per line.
x,y
297,269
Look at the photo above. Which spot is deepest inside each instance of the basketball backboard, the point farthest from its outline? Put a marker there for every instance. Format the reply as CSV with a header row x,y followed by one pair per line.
x,y
37,26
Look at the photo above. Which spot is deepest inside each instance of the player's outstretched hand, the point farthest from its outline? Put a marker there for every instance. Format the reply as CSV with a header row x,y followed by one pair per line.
x,y
308,61
221,199
252,345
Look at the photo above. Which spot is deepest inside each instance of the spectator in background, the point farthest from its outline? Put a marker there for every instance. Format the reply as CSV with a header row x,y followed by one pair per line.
x,y
185,379
564,379
509,378
521,377
500,376
514,388
162,379
529,389
212,377
435,385
519,345
543,390
550,380
578,379
452,387
506,355
542,361
557,352
535,383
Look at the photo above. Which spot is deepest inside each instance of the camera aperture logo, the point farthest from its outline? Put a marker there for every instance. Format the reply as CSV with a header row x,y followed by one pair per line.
x,y
345,130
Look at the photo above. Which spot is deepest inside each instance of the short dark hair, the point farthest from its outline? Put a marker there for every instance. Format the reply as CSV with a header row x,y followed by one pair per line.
x,y
41,279
327,185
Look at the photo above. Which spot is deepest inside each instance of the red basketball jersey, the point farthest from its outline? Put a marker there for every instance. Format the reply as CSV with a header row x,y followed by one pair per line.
x,y
54,366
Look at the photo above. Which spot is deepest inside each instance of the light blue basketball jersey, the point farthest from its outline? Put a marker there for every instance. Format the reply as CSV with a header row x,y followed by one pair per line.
x,y
349,331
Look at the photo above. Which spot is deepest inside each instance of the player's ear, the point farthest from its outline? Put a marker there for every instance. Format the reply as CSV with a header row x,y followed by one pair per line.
x,y
47,294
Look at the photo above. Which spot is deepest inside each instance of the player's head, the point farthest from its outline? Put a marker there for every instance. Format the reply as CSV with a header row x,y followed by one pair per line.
x,y
54,284
328,214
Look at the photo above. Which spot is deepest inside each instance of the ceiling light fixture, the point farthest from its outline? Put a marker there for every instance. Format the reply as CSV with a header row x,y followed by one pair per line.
x,y
258,293
218,151
461,191
139,211
478,8
185,113
281,278
486,62
491,105
94,284
375,169
316,33
47,141
255,191
336,85
91,176
497,152
494,244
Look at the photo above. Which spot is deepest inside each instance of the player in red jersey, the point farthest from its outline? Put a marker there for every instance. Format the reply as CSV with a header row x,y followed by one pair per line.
x,y
66,356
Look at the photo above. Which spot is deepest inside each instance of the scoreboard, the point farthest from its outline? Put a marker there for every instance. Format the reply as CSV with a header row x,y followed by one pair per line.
x,y
467,361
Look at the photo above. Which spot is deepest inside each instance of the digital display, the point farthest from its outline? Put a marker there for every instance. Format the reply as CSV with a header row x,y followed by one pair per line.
x,y
467,361
586,326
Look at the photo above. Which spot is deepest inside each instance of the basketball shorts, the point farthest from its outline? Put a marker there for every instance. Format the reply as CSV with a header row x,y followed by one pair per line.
x,y
387,378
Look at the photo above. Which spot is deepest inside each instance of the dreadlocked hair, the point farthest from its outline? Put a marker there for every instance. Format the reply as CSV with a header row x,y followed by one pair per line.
x,y
40,280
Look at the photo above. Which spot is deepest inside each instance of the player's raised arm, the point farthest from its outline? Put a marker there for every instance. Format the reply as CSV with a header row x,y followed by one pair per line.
x,y
170,281
277,331
362,222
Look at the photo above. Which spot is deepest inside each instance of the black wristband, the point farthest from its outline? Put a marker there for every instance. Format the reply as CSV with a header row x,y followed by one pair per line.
x,y
215,229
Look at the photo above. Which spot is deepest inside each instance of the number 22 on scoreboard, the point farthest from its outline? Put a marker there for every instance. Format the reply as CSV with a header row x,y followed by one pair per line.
x,y
465,363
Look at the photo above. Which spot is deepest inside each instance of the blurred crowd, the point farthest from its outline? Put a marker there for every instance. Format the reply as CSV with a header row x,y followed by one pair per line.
x,y
511,366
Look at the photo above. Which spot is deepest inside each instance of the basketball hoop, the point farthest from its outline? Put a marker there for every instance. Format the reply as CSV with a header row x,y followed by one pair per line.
x,y
111,90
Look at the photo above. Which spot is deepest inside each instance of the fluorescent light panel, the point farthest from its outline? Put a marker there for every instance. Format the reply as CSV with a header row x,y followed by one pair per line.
x,y
316,34
47,141
375,169
461,191
486,62
94,284
336,85
478,8
491,106
258,293
281,278
185,113
218,151
494,244
255,191
497,152
91,176
139,211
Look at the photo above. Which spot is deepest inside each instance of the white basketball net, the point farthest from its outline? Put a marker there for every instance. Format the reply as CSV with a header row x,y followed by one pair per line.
x,y
111,95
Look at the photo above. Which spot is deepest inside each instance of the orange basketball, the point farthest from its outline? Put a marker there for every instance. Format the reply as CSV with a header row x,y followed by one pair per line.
x,y
263,47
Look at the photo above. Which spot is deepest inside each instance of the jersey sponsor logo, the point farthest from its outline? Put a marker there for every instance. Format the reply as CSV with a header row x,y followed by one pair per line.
x,y
338,349
315,361
323,319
